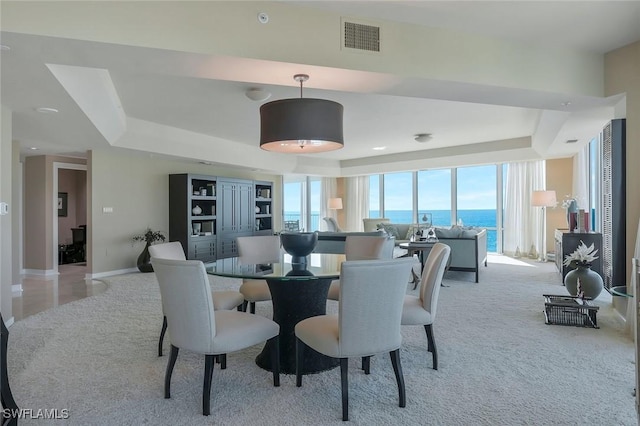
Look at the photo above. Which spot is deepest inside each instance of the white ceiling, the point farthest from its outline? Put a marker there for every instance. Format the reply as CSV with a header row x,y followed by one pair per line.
x,y
103,90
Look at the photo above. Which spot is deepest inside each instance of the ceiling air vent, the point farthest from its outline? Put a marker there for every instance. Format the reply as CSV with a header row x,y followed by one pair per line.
x,y
572,140
361,36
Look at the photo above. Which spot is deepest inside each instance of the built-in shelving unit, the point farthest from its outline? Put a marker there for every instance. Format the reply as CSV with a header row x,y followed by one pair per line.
x,y
208,213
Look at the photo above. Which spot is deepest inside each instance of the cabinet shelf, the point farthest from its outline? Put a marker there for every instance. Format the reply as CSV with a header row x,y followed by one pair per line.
x,y
204,197
203,217
258,216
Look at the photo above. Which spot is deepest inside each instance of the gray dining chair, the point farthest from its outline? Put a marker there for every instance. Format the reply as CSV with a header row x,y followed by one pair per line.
x,y
195,325
224,299
360,247
421,309
368,322
254,250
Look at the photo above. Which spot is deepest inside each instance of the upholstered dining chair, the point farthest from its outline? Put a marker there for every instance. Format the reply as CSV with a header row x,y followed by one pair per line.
x,y
332,224
368,322
257,249
225,299
195,325
421,309
359,247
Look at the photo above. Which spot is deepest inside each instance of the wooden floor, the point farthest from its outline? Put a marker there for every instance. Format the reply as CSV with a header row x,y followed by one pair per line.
x,y
39,293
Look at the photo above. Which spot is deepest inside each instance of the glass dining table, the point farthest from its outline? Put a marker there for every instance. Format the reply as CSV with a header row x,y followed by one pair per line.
x,y
298,291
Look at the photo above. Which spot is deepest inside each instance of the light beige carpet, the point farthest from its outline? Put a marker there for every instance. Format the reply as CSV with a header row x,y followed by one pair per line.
x,y
499,364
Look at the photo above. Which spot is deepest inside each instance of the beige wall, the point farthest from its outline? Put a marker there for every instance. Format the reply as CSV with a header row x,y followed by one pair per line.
x,y
38,210
622,75
136,187
6,258
559,178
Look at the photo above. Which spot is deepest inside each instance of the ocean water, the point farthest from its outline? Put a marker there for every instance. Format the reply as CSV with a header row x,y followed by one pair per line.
x,y
481,218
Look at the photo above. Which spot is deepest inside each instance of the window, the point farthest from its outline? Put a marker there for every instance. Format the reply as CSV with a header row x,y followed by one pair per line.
x,y
472,194
293,195
477,200
398,197
301,196
434,196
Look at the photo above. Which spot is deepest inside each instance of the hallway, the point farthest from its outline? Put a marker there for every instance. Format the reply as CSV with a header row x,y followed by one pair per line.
x,y
40,293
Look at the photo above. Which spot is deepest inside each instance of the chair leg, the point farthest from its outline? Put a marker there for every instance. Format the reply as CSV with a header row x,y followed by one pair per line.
x,y
431,345
397,368
244,306
206,390
164,330
252,307
167,375
240,307
344,367
223,361
299,360
366,364
275,359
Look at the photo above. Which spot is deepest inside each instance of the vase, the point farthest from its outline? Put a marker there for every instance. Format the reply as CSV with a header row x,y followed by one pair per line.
x,y
572,208
590,281
144,260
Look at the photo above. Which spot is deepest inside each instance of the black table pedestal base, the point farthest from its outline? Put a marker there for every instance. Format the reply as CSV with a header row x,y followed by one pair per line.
x,y
293,301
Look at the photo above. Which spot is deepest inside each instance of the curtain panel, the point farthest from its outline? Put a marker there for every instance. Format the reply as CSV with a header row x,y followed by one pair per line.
x,y
523,222
357,202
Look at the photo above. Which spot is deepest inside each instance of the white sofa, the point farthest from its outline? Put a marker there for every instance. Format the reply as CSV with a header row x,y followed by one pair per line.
x,y
468,245
333,242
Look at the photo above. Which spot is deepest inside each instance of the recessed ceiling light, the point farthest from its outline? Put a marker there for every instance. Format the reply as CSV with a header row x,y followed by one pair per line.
x,y
423,137
47,110
4,47
33,148
379,148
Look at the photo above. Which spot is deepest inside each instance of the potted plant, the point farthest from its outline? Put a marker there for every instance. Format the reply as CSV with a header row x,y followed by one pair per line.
x,y
149,237
582,280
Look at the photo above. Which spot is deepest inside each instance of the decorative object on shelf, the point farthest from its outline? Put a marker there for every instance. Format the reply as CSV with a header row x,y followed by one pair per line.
x,y
197,227
149,237
427,219
197,210
257,209
301,125
203,191
582,278
299,244
570,203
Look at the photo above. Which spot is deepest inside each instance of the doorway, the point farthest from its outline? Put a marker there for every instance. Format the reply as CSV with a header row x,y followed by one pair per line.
x,y
70,216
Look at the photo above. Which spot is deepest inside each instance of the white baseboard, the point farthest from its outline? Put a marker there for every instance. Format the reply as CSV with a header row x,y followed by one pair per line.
x,y
41,272
110,273
16,288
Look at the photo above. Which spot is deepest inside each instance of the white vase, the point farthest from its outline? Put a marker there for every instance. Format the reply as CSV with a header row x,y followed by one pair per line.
x,y
196,210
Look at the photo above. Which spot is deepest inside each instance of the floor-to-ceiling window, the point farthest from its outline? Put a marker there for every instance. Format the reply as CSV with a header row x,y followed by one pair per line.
x,y
301,197
398,197
476,200
469,196
434,196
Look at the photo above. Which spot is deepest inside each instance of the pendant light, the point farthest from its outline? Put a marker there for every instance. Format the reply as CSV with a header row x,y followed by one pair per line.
x,y
301,125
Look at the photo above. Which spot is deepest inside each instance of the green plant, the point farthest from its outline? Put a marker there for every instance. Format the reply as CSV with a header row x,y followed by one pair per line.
x,y
150,236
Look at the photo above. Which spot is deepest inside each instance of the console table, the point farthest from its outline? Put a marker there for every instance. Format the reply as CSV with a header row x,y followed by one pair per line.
x,y
566,242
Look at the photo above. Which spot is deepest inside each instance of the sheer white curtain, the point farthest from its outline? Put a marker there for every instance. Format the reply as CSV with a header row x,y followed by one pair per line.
x,y
522,222
581,178
356,202
328,189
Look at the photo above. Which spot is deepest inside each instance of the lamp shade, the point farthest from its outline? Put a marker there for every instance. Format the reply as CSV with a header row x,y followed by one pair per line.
x,y
301,125
335,203
543,198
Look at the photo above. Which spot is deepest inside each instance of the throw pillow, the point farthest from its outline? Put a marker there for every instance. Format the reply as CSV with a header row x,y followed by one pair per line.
x,y
390,229
468,233
452,232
